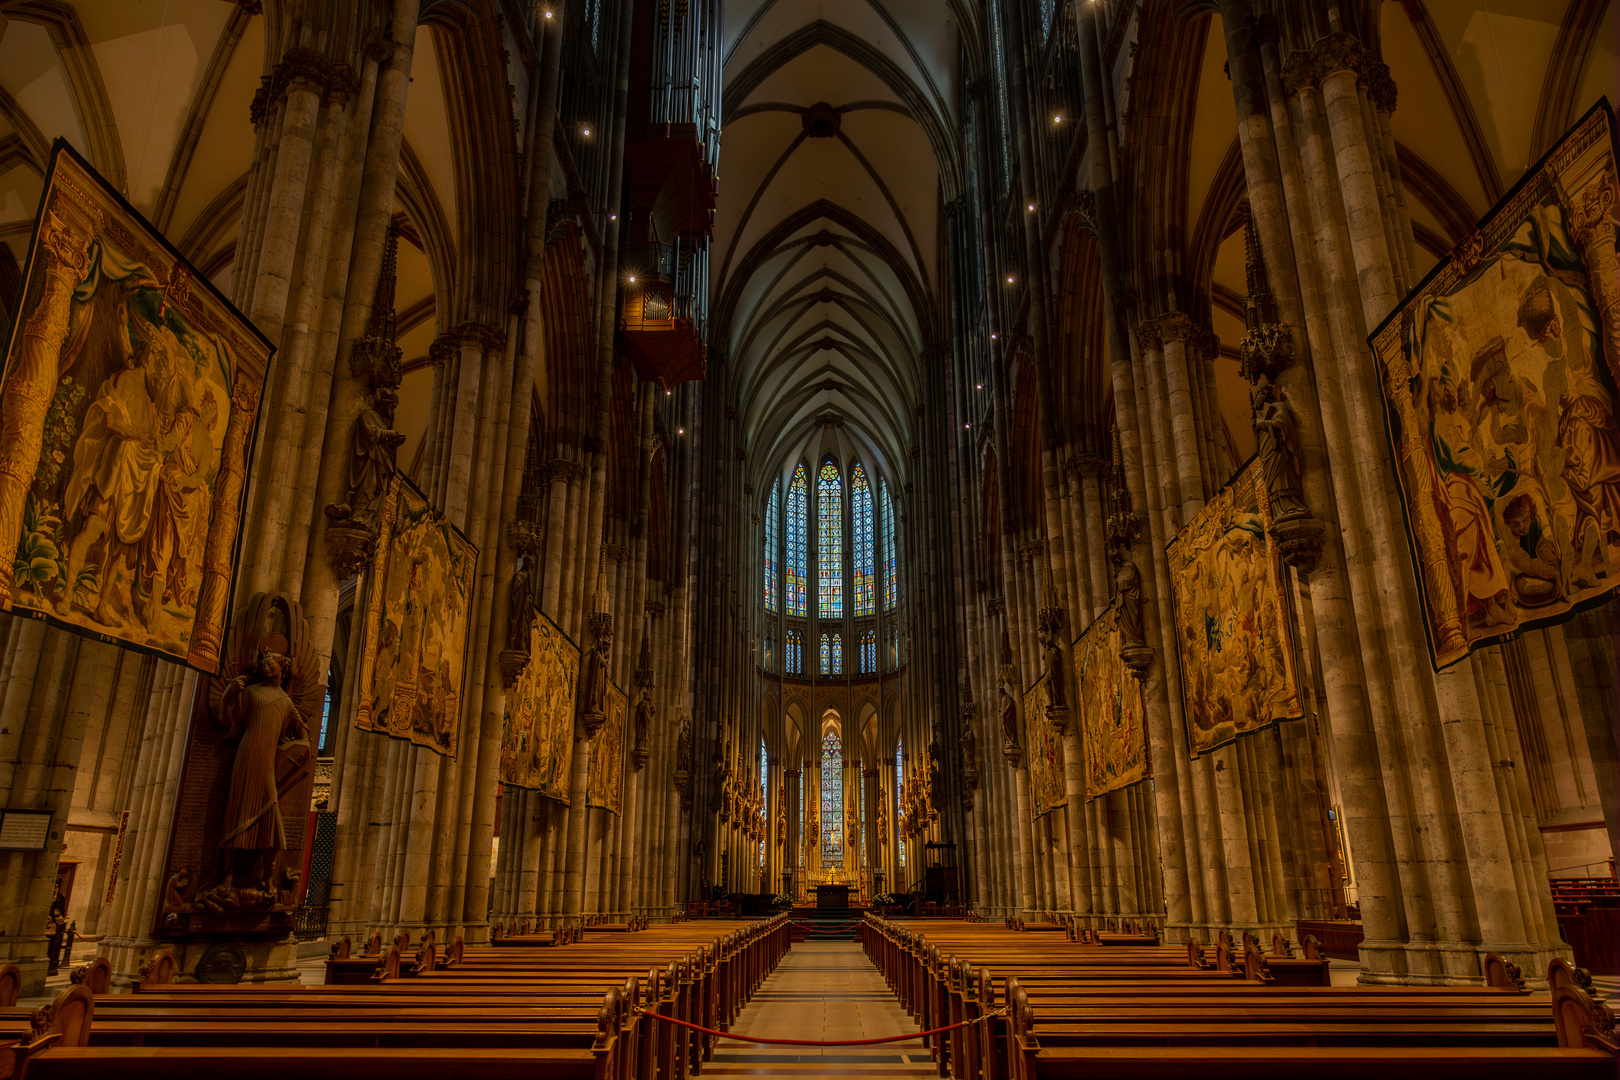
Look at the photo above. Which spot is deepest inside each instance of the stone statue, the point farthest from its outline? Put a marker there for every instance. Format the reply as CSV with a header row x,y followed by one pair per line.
x,y
644,717
257,711
519,607
1277,445
1128,585
372,463
1009,717
970,750
594,700
1051,638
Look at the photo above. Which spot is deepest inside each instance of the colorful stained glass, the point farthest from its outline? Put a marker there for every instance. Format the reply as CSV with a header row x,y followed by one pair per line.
x,y
891,558
832,800
772,514
765,796
797,574
899,785
863,575
830,543
826,654
838,654
794,653
868,651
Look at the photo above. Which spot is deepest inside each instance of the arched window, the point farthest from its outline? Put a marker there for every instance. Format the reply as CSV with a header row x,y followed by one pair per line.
x,y
891,558
832,653
830,543
794,654
868,651
899,785
797,575
832,800
863,576
764,798
772,513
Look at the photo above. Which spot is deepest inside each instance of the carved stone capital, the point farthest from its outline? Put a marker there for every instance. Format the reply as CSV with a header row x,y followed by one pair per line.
x,y
1338,52
1148,338
512,662
1137,659
1301,72
956,207
1381,88
1089,464
444,347
1267,350
1172,326
1300,540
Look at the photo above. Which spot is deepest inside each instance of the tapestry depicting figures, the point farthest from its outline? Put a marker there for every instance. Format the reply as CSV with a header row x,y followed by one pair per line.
x,y
418,595
130,396
1234,634
1047,791
1113,732
602,787
1499,384
538,741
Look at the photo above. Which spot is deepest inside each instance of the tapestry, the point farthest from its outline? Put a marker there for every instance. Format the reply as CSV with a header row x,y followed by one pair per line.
x,y
1498,375
603,784
130,398
1113,727
1047,790
418,597
538,741
1234,634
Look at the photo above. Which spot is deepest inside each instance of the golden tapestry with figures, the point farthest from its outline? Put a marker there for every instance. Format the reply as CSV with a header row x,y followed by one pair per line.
x,y
1047,790
418,599
1499,390
605,780
130,397
1113,723
1234,631
538,741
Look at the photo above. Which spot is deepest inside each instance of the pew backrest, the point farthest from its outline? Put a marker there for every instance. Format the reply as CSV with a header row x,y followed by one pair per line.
x,y
10,985
1502,974
374,944
341,948
68,1017
96,976
158,971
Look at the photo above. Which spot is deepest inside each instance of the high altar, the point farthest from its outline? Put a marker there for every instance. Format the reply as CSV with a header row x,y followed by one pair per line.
x,y
832,896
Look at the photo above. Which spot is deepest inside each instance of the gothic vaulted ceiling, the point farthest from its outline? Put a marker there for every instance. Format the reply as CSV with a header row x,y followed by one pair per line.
x,y
837,150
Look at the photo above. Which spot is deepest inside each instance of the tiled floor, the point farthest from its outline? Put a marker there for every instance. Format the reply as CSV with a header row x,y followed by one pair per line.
x,y
822,991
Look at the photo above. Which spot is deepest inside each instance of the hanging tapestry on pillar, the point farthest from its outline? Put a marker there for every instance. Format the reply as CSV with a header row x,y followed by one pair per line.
x,y
1234,631
417,598
1046,788
1498,374
603,786
1113,728
537,744
130,398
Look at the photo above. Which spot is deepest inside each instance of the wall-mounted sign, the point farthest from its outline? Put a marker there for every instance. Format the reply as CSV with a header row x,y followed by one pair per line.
x,y
24,830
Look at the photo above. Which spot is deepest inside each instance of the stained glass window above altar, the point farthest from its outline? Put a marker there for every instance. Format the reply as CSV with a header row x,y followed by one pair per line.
x,y
830,543
797,573
863,576
772,511
832,799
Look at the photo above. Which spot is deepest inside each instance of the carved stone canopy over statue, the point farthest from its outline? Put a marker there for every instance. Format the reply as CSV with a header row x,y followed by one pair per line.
x,y
1277,446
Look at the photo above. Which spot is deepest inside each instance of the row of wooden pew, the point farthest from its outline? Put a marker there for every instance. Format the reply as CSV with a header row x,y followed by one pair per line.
x,y
1118,1004
508,1009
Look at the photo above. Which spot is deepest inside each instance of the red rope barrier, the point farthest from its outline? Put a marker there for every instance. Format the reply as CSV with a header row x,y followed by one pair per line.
x,y
833,930
813,1042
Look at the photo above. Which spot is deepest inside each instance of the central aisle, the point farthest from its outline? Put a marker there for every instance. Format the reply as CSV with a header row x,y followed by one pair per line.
x,y
822,990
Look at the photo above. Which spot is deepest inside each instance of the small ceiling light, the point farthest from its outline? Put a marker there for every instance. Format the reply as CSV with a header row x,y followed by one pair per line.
x,y
967,425
587,131
548,14
1032,206
978,386
668,392
680,431
992,337
611,217
1009,279
1057,119
632,279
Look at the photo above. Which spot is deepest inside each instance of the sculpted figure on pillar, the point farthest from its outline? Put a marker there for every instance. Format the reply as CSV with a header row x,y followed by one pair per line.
x,y
1277,441
1128,588
519,606
644,718
1050,630
372,459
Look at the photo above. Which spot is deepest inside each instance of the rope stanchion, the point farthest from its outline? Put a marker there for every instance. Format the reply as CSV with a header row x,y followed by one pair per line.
x,y
833,930
815,1042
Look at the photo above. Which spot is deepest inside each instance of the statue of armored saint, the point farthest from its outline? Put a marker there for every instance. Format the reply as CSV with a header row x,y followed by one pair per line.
x,y
1277,446
260,715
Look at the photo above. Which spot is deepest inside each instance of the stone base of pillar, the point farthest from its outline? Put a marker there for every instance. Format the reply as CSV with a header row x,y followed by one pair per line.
x,y
1451,963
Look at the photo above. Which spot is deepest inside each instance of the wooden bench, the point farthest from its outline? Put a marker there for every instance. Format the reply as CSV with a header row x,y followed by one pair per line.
x,y
1105,1011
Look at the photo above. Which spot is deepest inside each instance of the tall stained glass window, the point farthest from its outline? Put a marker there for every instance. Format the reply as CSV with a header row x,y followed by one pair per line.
x,y
899,783
891,560
868,651
764,798
832,799
863,576
773,512
793,653
832,653
838,654
830,543
797,575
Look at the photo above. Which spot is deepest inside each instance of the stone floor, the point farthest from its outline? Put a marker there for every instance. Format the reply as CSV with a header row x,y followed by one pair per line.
x,y
822,991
